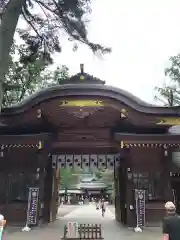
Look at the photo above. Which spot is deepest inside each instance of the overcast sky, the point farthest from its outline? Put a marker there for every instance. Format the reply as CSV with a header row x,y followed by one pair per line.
x,y
143,35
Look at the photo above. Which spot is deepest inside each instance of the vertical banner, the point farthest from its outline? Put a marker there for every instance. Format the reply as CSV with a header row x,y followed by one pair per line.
x,y
140,207
72,230
32,206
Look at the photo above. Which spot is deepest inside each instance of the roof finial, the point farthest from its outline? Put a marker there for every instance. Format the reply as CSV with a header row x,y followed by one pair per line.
x,y
82,68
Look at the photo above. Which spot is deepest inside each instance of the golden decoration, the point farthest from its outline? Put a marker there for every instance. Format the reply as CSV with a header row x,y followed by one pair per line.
x,y
122,144
169,121
40,145
149,145
39,113
123,113
81,77
82,103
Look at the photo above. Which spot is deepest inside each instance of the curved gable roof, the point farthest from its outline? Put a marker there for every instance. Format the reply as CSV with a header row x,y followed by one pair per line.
x,y
86,85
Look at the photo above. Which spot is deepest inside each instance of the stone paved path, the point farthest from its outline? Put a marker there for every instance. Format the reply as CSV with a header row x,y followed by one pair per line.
x,y
86,214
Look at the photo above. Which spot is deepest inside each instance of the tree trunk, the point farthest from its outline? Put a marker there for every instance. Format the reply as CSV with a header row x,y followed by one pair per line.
x,y
8,25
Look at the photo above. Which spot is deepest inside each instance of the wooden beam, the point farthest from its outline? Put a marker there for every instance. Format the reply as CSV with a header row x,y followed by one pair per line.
x,y
147,138
24,139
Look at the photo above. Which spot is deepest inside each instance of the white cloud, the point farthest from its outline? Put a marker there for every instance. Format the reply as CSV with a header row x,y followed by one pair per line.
x,y
143,35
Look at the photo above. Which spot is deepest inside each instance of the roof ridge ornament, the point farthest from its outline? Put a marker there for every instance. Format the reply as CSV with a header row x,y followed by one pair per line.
x,y
82,68
82,78
82,71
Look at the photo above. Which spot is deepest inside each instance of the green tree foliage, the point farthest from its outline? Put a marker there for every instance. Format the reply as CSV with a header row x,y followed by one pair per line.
x,y
27,78
47,21
169,93
69,177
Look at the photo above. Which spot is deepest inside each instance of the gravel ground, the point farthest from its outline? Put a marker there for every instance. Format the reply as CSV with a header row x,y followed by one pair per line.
x,y
62,211
86,214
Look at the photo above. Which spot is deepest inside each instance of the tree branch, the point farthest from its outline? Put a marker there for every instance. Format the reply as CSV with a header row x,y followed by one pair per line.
x,y
30,23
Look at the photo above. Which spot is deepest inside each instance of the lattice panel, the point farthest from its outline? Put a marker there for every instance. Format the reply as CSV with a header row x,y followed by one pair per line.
x,y
61,161
110,161
77,161
69,161
93,161
85,162
102,163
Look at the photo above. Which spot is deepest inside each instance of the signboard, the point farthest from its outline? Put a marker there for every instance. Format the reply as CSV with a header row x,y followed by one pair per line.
x,y
140,207
72,230
32,206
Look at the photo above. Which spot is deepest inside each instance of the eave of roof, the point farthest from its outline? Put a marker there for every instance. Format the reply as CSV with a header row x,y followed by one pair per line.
x,y
96,90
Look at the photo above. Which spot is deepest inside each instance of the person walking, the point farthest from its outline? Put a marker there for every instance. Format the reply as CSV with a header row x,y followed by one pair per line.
x,y
171,223
103,207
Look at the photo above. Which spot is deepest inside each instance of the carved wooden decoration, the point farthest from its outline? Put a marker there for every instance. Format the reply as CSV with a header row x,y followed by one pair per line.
x,y
82,109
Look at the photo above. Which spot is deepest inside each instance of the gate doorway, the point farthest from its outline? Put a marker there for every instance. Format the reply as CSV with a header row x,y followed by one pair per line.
x,y
86,163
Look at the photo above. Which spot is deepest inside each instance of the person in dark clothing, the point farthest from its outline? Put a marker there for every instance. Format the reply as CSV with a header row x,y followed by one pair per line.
x,y
171,223
103,207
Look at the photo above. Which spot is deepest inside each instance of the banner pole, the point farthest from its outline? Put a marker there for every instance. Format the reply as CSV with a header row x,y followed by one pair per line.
x,y
137,228
27,228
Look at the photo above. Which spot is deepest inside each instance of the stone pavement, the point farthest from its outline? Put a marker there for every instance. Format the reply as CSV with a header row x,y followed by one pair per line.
x,y
86,214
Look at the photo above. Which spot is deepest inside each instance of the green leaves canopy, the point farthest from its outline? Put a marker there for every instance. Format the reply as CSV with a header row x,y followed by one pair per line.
x,y
23,79
169,93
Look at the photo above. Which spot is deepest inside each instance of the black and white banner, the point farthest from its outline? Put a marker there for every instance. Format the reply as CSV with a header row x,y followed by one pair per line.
x,y
32,206
140,207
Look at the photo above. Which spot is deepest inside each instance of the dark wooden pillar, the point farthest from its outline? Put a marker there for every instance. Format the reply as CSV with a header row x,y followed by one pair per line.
x,y
166,182
123,191
48,191
42,163
129,191
51,191
121,188
117,194
55,193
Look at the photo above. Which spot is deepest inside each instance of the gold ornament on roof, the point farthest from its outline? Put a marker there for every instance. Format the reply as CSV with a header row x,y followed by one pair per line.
x,y
122,144
82,71
40,145
169,121
39,113
123,113
81,103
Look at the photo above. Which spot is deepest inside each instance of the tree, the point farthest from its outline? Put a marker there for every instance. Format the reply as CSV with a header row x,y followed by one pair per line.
x,y
69,177
29,77
169,93
47,19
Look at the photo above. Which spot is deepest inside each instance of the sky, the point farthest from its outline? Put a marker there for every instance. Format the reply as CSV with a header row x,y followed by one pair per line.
x,y
143,34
